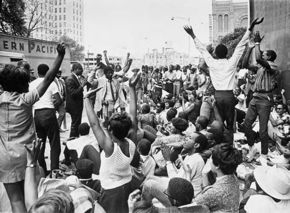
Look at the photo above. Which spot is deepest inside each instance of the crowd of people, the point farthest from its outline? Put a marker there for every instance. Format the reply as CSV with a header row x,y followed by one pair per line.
x,y
212,137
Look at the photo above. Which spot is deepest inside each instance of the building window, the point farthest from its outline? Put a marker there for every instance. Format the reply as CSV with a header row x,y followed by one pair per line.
x,y
220,23
64,9
60,9
226,23
55,10
59,2
59,17
63,17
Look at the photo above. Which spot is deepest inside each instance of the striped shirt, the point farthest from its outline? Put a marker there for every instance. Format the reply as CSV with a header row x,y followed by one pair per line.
x,y
265,78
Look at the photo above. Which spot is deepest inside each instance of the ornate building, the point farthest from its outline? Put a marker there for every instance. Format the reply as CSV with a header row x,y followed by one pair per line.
x,y
226,16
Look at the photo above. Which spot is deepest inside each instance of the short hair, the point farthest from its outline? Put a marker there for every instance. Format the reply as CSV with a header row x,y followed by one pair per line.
x,y
202,121
162,105
272,54
120,124
171,113
76,66
180,190
84,129
203,143
221,51
144,146
145,108
177,67
57,200
42,69
14,79
180,124
108,69
226,157
85,168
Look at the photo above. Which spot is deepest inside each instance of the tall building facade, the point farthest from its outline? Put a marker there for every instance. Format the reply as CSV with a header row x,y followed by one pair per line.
x,y
226,16
58,18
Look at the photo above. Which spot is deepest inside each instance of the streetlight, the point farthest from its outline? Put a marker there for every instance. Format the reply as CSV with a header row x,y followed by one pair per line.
x,y
188,20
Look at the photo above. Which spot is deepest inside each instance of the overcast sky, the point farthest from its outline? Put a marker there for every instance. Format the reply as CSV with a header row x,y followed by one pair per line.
x,y
120,26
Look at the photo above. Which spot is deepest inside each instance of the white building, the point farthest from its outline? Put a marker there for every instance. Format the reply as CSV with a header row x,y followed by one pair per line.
x,y
60,17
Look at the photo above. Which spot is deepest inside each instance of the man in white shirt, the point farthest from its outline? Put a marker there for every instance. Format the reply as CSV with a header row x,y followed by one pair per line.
x,y
45,120
177,81
222,73
61,90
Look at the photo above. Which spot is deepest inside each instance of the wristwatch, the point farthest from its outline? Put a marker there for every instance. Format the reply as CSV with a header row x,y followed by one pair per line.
x,y
31,166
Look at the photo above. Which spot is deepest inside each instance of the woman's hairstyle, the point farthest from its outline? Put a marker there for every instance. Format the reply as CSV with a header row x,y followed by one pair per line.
x,y
14,79
203,143
120,124
56,200
226,157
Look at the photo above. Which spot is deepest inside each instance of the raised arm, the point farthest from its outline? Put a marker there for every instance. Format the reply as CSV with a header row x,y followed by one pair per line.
x,y
199,46
133,105
106,58
127,66
50,75
104,141
259,59
245,62
127,59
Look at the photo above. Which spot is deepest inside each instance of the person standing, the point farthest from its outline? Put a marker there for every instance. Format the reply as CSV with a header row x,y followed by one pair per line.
x,y
262,100
74,97
222,73
45,119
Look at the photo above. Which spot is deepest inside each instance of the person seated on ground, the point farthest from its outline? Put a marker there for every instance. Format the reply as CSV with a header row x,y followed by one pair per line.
x,y
86,147
179,193
147,162
84,173
61,196
274,193
191,127
224,194
201,125
118,151
176,139
193,163
146,118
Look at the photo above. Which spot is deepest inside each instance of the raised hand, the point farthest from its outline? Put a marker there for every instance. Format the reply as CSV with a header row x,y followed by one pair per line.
x,y
256,22
105,52
90,92
189,31
134,79
257,37
33,151
128,55
61,49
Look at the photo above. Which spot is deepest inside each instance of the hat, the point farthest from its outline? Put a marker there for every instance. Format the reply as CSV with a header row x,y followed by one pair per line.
x,y
181,190
85,168
180,124
274,181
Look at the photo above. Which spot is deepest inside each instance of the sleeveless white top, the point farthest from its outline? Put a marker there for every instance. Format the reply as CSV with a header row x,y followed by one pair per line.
x,y
115,170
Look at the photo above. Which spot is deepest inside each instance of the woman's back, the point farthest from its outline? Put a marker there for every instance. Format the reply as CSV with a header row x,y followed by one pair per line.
x,y
115,170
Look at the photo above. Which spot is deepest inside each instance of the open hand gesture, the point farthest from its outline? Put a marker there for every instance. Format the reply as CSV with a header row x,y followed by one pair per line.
x,y
91,92
33,150
61,49
256,22
189,31
257,37
105,52
134,80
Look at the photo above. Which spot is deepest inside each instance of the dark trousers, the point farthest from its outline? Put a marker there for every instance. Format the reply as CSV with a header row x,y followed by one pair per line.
x,y
225,102
76,119
46,126
89,152
258,107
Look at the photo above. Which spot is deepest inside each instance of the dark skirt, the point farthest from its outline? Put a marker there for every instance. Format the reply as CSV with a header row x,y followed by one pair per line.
x,y
116,200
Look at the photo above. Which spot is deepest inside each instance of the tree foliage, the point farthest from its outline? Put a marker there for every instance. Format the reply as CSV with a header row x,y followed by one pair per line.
x,y
231,40
76,50
34,16
12,17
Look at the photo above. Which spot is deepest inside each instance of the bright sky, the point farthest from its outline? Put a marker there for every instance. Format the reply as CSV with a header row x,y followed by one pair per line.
x,y
120,26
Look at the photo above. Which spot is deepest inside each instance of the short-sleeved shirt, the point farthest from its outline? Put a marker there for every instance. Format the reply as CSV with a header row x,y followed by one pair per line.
x,y
46,101
16,129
